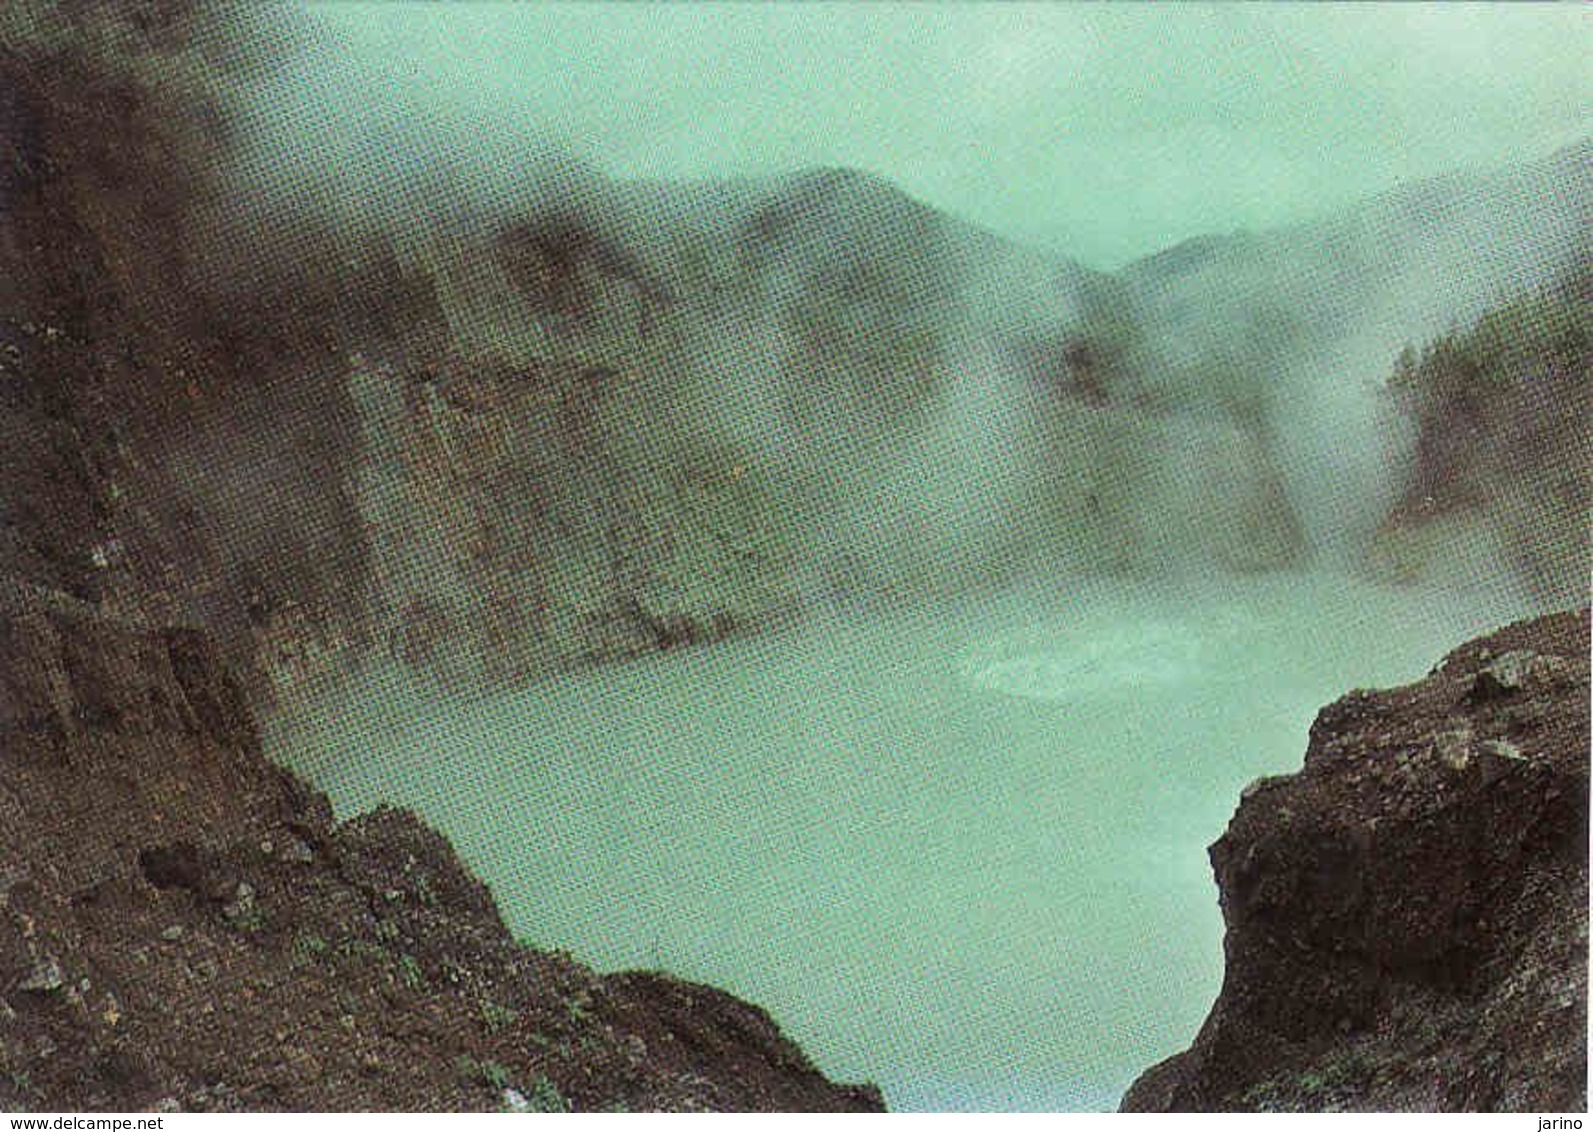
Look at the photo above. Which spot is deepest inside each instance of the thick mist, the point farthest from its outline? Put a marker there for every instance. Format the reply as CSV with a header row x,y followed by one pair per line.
x,y
1027,568
904,399
959,852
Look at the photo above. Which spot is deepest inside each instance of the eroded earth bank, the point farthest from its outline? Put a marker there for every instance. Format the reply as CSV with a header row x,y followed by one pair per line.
x,y
1407,915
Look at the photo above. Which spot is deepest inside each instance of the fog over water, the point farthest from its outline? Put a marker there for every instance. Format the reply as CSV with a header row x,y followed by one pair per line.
x,y
956,851
951,835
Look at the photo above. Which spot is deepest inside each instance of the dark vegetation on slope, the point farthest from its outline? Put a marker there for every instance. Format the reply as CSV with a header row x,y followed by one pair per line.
x,y
1503,414
1407,916
1318,312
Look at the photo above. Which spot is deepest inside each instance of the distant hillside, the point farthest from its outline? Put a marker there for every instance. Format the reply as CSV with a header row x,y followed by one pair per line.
x,y
1296,329
342,407
1503,413
1505,225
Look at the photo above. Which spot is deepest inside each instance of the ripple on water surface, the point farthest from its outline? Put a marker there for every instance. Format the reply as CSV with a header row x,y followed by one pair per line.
x,y
960,854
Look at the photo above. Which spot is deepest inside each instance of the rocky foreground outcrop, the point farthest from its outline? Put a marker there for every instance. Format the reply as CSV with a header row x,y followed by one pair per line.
x,y
184,927
1407,922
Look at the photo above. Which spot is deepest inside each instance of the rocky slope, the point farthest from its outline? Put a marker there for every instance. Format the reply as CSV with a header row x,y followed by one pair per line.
x,y
484,449
1297,331
1407,916
183,927
1502,456
525,422
244,432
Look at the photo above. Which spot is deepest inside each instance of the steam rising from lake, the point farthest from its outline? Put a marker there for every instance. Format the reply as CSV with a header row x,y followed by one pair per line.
x,y
955,845
959,851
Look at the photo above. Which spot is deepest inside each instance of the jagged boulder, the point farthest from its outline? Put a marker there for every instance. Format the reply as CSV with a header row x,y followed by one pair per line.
x,y
1407,916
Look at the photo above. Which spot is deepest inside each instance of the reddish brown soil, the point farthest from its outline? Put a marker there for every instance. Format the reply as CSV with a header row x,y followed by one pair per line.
x,y
183,926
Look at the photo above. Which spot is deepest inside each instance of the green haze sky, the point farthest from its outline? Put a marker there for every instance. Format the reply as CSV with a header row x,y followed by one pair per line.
x,y
1106,132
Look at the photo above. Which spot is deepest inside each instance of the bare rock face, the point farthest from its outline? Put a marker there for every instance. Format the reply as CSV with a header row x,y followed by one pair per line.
x,y
1407,916
183,926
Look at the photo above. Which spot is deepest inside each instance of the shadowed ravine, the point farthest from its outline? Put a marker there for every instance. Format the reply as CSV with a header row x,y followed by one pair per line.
x,y
958,852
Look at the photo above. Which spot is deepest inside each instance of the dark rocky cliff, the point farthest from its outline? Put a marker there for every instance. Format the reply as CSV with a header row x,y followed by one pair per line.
x,y
1406,917
258,449
184,927
607,418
